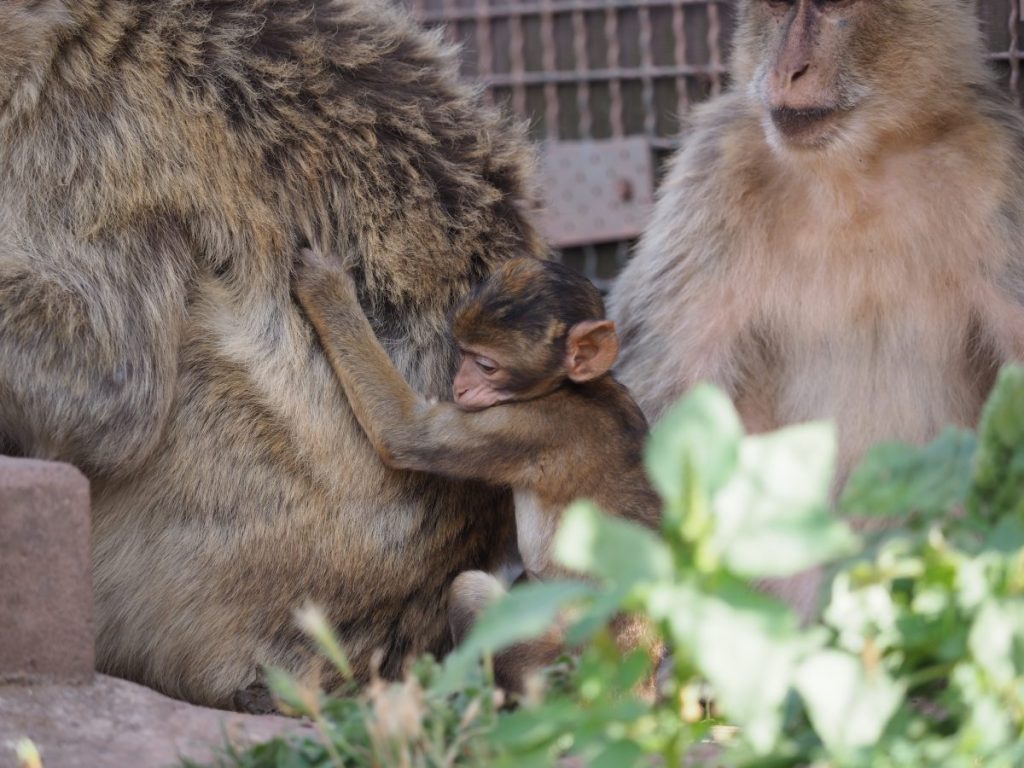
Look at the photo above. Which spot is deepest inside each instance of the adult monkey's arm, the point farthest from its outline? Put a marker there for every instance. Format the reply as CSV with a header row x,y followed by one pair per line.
x,y
88,344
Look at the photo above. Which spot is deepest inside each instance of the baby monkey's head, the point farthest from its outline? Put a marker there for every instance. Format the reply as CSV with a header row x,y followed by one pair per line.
x,y
529,327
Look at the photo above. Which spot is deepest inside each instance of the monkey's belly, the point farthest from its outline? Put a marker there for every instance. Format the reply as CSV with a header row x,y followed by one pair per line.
x,y
535,529
887,392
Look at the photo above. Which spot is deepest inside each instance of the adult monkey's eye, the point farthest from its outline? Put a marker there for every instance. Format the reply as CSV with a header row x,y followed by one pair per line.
x,y
485,365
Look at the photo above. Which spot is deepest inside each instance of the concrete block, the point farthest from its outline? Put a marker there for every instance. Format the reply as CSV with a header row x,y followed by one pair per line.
x,y
46,602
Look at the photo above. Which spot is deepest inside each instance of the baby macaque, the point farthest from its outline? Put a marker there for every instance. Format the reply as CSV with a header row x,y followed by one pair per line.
x,y
534,408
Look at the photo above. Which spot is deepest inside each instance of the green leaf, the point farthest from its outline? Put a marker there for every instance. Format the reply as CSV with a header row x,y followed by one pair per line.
x,y
848,706
999,464
701,433
618,551
997,640
618,754
528,729
988,724
1006,536
897,479
859,613
286,689
539,757
525,613
773,518
747,646
596,615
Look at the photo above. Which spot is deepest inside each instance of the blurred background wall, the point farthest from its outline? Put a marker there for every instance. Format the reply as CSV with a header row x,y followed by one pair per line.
x,y
605,85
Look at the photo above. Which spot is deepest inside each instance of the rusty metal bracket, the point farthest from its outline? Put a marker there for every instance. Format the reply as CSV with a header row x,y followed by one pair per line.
x,y
595,191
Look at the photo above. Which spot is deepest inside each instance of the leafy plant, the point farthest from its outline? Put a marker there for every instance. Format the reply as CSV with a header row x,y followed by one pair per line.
x,y
918,658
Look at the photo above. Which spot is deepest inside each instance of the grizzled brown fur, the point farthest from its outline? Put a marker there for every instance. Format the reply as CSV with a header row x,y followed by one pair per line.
x,y
160,163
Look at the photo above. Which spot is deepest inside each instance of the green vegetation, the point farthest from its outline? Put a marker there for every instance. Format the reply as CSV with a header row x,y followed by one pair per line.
x,y
918,658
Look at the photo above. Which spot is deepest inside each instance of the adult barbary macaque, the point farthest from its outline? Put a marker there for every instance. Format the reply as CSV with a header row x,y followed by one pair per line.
x,y
160,163
534,408
842,234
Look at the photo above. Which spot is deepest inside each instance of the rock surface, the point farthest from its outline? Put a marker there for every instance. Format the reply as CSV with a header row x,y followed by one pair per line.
x,y
46,630
116,724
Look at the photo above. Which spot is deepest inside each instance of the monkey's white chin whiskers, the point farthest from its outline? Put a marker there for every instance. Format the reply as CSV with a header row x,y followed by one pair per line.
x,y
845,142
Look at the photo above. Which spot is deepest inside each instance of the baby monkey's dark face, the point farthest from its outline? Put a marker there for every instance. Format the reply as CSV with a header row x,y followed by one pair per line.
x,y
527,329
483,378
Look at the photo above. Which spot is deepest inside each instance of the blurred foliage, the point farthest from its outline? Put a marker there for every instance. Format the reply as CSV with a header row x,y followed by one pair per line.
x,y
918,658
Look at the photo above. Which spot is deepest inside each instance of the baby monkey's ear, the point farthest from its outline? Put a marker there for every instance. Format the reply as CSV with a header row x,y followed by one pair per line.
x,y
590,349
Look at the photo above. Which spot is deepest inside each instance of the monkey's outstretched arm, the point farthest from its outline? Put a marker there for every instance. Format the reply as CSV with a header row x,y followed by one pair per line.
x,y
407,430
88,345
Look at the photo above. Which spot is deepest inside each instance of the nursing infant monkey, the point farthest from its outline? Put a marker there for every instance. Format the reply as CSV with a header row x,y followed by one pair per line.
x,y
533,339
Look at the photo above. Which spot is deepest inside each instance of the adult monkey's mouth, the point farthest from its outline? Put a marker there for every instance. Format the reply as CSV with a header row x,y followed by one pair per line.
x,y
805,125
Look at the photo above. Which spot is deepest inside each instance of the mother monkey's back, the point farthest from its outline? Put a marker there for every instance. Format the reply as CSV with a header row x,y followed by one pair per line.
x,y
160,164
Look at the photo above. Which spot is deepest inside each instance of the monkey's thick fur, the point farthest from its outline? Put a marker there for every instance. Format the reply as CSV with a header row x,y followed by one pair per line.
x,y
878,280
160,163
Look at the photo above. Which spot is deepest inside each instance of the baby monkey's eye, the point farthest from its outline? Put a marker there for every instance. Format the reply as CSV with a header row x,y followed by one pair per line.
x,y
485,365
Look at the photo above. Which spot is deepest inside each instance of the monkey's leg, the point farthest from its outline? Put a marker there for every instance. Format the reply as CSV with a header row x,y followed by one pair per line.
x,y
470,594
88,340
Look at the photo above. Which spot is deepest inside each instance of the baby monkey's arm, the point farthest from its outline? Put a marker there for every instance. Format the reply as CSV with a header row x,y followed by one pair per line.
x,y
407,430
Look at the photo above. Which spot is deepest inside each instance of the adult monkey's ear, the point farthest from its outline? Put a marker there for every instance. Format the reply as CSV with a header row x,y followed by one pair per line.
x,y
591,349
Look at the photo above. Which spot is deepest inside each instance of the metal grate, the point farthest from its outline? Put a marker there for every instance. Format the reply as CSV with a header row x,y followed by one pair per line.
x,y
1001,22
603,84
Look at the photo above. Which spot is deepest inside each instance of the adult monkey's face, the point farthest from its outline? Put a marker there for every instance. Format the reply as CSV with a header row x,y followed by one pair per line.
x,y
823,72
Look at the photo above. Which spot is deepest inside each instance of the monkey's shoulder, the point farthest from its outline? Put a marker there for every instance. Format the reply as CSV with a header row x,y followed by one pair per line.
x,y
719,135
606,407
602,433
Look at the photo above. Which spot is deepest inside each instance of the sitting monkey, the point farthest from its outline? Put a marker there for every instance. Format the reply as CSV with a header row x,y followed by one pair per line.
x,y
534,340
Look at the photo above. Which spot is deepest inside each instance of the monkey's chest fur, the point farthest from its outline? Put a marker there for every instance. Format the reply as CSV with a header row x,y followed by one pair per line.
x,y
868,313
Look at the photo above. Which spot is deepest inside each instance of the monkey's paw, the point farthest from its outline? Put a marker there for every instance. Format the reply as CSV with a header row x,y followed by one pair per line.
x,y
314,272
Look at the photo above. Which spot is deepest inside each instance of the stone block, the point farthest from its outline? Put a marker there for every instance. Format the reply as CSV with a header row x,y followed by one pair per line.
x,y
46,602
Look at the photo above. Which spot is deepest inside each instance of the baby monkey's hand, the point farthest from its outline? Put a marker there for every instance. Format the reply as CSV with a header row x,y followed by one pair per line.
x,y
321,279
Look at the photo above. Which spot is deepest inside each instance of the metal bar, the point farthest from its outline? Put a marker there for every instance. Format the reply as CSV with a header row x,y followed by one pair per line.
x,y
555,7
714,33
484,49
419,9
581,60
517,58
451,31
621,255
613,54
590,260
660,142
647,63
679,33
547,35
1014,58
615,76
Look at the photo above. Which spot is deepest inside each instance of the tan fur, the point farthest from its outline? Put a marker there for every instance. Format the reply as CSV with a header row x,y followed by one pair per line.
x,y
160,163
875,278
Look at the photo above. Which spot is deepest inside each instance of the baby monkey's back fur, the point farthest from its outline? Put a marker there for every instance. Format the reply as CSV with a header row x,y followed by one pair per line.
x,y
160,164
